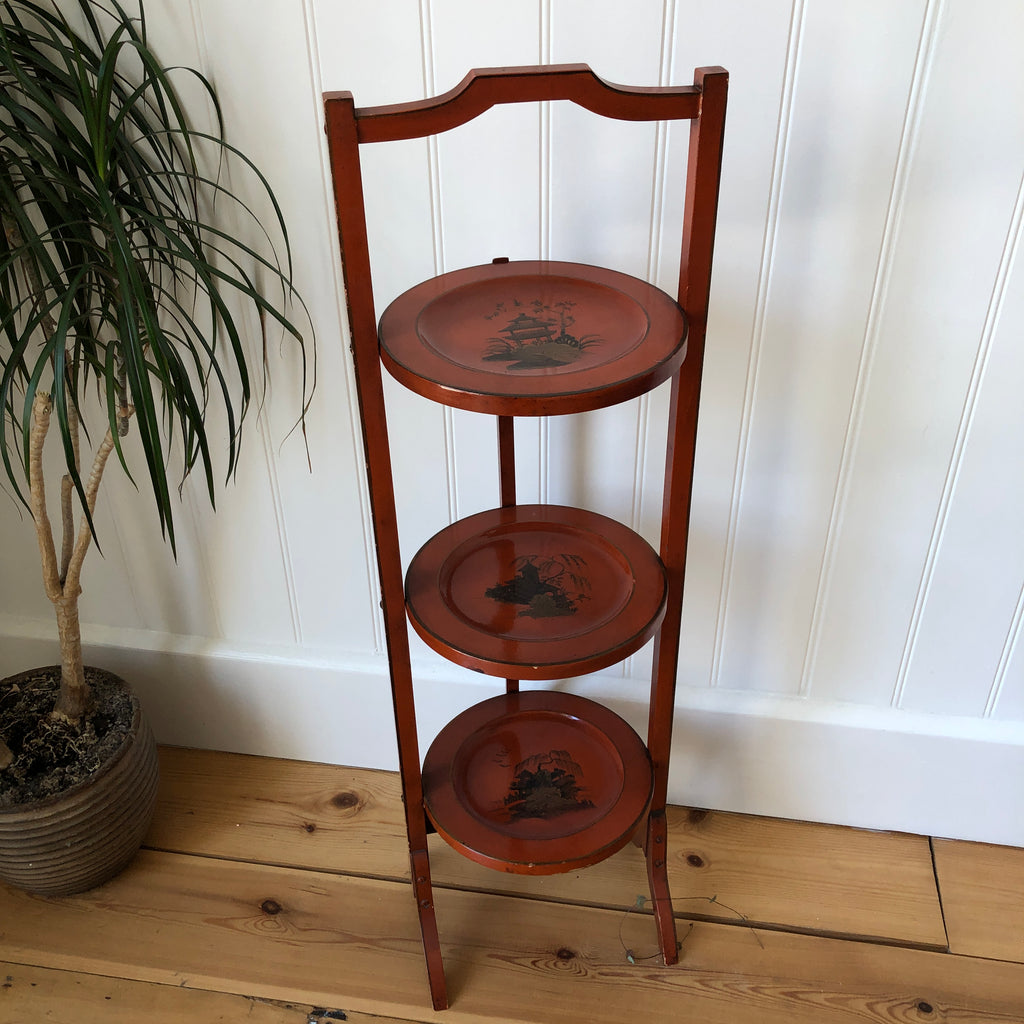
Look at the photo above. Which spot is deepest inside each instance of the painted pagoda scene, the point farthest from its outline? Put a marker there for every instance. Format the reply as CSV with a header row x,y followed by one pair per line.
x,y
537,336
546,785
546,587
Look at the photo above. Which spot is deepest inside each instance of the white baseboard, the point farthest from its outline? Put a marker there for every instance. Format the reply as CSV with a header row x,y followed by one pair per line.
x,y
933,775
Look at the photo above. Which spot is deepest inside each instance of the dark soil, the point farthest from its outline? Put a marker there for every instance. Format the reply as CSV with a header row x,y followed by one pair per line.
x,y
51,756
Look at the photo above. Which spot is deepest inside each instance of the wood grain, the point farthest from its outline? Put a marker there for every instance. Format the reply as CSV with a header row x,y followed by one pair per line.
x,y
30,994
793,875
982,889
312,937
280,812
819,878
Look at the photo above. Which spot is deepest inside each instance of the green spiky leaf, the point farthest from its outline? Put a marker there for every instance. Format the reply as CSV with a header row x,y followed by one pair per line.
x,y
127,266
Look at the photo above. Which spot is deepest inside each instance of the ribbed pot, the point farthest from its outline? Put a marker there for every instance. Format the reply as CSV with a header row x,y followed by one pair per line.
x,y
83,837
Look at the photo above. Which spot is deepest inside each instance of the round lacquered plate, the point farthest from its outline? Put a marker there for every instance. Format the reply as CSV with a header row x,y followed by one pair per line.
x,y
537,782
536,592
532,338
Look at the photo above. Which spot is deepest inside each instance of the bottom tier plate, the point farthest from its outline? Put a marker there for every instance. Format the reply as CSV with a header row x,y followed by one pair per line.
x,y
537,782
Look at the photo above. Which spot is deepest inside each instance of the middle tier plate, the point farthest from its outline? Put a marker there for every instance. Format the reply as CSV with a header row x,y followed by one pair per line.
x,y
536,592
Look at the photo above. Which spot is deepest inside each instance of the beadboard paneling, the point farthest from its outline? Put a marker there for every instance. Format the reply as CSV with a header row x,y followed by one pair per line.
x,y
856,575
1011,692
950,241
961,655
837,152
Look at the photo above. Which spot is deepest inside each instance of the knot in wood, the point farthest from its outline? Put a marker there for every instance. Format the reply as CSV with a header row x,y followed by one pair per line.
x,y
271,907
343,801
565,954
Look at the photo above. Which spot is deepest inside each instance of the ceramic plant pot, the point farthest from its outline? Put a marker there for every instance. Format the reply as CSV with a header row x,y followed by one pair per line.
x,y
82,837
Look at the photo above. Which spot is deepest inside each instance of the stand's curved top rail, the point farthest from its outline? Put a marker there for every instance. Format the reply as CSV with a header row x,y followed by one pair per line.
x,y
483,88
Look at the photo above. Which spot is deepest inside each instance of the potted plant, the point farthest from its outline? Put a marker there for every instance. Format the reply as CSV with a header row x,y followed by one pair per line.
x,y
125,304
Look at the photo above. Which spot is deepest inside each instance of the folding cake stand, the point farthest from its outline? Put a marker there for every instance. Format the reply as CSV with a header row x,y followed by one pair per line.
x,y
534,782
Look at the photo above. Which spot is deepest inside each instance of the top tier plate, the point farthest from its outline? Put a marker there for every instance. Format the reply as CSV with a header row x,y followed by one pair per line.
x,y
532,338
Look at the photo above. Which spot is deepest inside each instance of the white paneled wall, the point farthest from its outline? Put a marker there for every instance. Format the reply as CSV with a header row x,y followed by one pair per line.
x,y
855,594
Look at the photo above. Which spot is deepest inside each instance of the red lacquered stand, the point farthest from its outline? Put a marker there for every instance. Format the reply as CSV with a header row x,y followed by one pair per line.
x,y
539,781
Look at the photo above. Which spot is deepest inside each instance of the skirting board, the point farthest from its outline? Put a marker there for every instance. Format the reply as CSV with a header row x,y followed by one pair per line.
x,y
951,777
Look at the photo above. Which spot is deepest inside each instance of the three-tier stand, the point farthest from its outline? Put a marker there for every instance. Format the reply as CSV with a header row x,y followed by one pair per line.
x,y
534,781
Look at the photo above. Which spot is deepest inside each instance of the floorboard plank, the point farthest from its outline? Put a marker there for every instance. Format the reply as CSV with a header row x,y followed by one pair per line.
x,y
982,890
30,994
324,939
793,875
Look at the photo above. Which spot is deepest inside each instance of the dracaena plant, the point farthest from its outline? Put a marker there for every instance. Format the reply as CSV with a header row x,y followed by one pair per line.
x,y
128,281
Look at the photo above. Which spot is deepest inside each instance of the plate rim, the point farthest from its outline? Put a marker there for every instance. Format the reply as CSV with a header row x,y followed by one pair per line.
x,y
538,394
549,855
458,640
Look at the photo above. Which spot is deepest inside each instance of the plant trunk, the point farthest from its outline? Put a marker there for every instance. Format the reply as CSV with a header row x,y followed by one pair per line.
x,y
62,580
74,693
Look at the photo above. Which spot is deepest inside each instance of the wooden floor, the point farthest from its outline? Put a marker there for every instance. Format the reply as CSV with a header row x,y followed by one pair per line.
x,y
276,893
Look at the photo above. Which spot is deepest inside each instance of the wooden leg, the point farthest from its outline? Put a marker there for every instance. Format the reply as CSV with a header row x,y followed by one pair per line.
x,y
507,461
428,928
657,876
507,485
